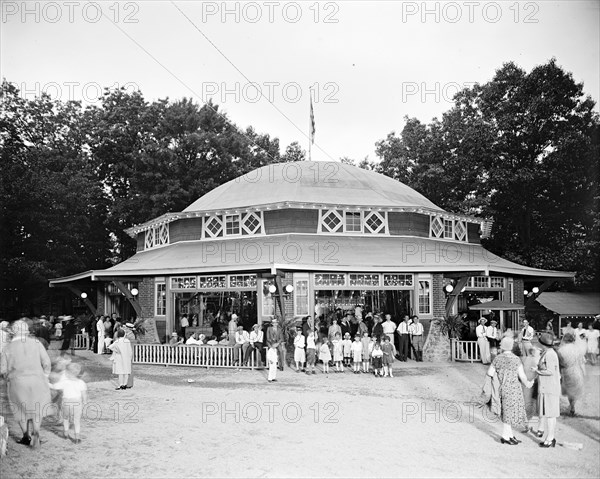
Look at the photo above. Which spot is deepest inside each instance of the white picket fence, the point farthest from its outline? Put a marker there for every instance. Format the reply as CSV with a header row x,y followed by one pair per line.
x,y
81,341
464,351
182,355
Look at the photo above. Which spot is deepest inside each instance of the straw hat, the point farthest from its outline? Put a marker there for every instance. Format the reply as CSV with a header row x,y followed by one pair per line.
x,y
546,339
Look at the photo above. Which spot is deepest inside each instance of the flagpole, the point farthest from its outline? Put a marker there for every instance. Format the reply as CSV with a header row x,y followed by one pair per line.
x,y
311,126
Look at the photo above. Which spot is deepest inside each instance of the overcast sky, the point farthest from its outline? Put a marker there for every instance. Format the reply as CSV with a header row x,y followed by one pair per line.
x,y
370,63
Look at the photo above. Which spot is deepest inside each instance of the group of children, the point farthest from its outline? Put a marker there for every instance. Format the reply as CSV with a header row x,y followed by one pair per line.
x,y
365,352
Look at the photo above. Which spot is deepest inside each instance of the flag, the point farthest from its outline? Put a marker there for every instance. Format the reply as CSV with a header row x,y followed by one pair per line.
x,y
312,122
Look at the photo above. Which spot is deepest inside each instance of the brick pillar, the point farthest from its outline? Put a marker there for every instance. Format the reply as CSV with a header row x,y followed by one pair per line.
x,y
288,299
146,296
519,298
100,288
437,345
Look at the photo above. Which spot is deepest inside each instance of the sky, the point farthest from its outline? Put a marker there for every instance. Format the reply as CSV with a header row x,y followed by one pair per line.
x,y
370,64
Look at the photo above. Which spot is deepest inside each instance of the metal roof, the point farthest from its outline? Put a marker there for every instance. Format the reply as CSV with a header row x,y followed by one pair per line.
x,y
303,252
571,304
312,182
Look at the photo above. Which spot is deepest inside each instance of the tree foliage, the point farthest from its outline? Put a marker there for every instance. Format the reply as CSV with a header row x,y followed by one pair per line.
x,y
521,149
74,178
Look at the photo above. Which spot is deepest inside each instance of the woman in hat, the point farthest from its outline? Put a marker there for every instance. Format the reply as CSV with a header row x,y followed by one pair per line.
x,y
548,391
26,365
509,370
482,342
572,370
122,358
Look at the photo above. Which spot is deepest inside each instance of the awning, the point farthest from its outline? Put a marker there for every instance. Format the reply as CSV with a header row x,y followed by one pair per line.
x,y
496,305
571,304
303,252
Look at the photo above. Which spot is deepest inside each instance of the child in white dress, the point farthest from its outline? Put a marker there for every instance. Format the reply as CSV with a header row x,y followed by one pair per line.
x,y
347,346
272,362
338,353
325,355
357,352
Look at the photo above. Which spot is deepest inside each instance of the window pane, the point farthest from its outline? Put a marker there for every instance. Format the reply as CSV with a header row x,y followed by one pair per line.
x,y
353,222
424,296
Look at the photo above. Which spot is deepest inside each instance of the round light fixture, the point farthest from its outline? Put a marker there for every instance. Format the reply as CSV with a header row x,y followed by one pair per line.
x,y
272,289
525,292
289,288
449,288
83,295
535,290
134,292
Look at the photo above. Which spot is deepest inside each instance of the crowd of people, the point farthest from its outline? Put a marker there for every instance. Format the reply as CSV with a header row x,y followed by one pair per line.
x,y
525,381
341,343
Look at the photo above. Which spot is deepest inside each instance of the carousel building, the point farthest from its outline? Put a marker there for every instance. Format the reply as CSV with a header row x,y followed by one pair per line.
x,y
303,238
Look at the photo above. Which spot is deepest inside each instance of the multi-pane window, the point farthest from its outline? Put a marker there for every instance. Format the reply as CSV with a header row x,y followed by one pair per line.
x,y
364,280
183,282
232,225
330,279
399,280
445,228
353,222
424,296
212,282
485,282
242,281
301,297
367,222
156,236
161,299
244,224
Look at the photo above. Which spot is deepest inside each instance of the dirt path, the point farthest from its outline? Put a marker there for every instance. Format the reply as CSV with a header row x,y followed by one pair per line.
x,y
233,423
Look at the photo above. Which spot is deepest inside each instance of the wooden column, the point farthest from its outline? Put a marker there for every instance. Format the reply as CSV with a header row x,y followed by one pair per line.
x,y
545,285
453,296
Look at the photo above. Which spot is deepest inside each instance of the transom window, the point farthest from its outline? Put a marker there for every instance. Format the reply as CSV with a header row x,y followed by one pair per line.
x,y
183,282
445,228
242,281
486,282
364,280
398,280
156,236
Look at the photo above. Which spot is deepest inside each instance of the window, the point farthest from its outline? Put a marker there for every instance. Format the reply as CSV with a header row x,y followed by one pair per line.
x,y
486,282
242,281
212,282
161,300
453,229
353,222
183,282
252,223
300,296
268,299
156,236
327,279
361,222
424,295
398,280
232,225
364,280
213,227
448,229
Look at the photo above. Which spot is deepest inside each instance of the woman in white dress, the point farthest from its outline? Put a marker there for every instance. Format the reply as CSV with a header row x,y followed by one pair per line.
x,y
121,358
484,345
100,329
591,336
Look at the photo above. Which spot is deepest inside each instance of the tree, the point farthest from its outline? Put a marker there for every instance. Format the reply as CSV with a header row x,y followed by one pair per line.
x,y
294,152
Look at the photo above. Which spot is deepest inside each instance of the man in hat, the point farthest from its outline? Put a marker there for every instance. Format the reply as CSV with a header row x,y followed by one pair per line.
x,y
275,335
482,342
527,333
69,332
493,336
175,341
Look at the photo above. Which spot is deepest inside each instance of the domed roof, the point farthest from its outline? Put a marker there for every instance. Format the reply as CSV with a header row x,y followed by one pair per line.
x,y
316,182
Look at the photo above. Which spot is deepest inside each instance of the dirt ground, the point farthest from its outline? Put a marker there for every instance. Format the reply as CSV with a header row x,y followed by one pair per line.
x,y
194,422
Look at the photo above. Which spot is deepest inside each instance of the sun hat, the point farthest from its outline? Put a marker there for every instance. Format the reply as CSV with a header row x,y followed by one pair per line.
x,y
546,339
130,325
507,344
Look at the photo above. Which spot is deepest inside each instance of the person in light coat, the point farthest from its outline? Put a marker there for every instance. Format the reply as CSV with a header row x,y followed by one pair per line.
x,y
26,366
100,330
121,358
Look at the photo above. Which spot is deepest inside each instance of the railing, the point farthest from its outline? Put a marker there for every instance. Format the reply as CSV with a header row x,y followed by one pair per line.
x,y
182,355
464,350
81,341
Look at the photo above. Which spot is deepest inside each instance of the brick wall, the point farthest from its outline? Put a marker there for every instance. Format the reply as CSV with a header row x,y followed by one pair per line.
x,y
288,299
100,301
518,287
146,296
437,345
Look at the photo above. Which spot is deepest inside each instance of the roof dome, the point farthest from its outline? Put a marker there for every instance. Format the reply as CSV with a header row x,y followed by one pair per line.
x,y
311,182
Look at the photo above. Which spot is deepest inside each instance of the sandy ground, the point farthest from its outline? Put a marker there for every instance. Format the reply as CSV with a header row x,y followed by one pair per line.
x,y
229,423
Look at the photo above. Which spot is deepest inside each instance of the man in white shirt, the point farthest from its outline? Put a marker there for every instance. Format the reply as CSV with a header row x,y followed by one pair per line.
x,y
416,336
404,338
482,342
389,327
526,337
242,343
195,339
256,344
493,336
